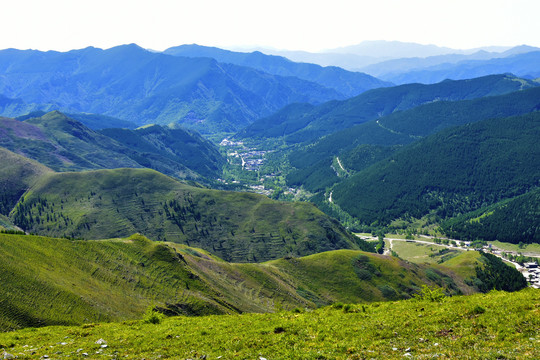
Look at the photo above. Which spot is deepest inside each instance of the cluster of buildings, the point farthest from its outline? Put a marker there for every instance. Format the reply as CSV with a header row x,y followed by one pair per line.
x,y
252,160
531,271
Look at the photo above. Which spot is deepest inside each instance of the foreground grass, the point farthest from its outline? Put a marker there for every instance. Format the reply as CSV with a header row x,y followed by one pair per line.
x,y
497,325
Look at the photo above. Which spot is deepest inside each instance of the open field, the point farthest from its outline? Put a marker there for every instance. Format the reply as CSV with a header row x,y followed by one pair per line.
x,y
529,249
422,253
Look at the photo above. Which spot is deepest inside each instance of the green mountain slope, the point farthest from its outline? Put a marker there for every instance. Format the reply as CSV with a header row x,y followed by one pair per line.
x,y
345,82
130,83
47,281
62,143
357,146
170,151
338,115
18,175
455,171
58,281
235,226
515,220
65,144
92,121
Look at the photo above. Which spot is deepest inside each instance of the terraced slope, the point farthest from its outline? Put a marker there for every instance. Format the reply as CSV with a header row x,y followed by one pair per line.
x,y
48,281
235,226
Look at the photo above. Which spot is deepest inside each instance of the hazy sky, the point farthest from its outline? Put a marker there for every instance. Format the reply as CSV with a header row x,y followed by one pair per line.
x,y
310,25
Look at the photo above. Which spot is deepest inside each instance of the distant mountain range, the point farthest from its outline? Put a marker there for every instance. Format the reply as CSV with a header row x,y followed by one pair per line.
x,y
402,63
345,82
356,57
429,71
132,84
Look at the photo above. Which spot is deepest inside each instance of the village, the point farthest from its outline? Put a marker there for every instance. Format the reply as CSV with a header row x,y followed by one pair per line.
x,y
251,159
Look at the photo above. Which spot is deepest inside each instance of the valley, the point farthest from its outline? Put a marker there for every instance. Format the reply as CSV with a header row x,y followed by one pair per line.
x,y
199,202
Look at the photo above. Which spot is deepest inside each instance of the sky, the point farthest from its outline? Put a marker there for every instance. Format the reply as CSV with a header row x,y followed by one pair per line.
x,y
309,25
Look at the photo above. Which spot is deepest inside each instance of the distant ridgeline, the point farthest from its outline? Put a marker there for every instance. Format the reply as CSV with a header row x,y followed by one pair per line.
x,y
142,87
301,123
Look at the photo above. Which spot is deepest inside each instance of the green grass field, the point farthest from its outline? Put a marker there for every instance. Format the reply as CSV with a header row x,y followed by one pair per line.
x,y
528,248
423,253
496,325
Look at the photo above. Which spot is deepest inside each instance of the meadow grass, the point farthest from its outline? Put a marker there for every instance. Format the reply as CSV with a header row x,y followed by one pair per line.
x,y
497,325
421,253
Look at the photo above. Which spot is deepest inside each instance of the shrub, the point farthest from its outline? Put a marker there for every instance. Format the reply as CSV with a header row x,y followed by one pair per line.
x,y
388,292
434,294
477,310
152,316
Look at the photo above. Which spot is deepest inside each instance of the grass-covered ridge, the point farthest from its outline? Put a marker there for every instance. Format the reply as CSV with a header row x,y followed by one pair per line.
x,y
241,227
18,175
65,144
48,281
489,326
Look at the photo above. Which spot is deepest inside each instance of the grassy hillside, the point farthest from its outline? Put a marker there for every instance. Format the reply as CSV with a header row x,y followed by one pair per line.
x,y
92,121
65,144
491,326
235,226
453,172
62,143
18,175
48,281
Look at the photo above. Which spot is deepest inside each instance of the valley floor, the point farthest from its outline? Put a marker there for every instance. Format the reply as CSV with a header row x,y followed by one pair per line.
x,y
496,325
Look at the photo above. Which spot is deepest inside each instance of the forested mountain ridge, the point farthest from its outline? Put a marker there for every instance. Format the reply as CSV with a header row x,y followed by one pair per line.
x,y
513,220
130,83
298,125
455,171
314,165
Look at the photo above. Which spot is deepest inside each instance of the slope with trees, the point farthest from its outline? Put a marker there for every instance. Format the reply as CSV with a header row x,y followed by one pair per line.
x,y
65,144
296,124
453,172
236,226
